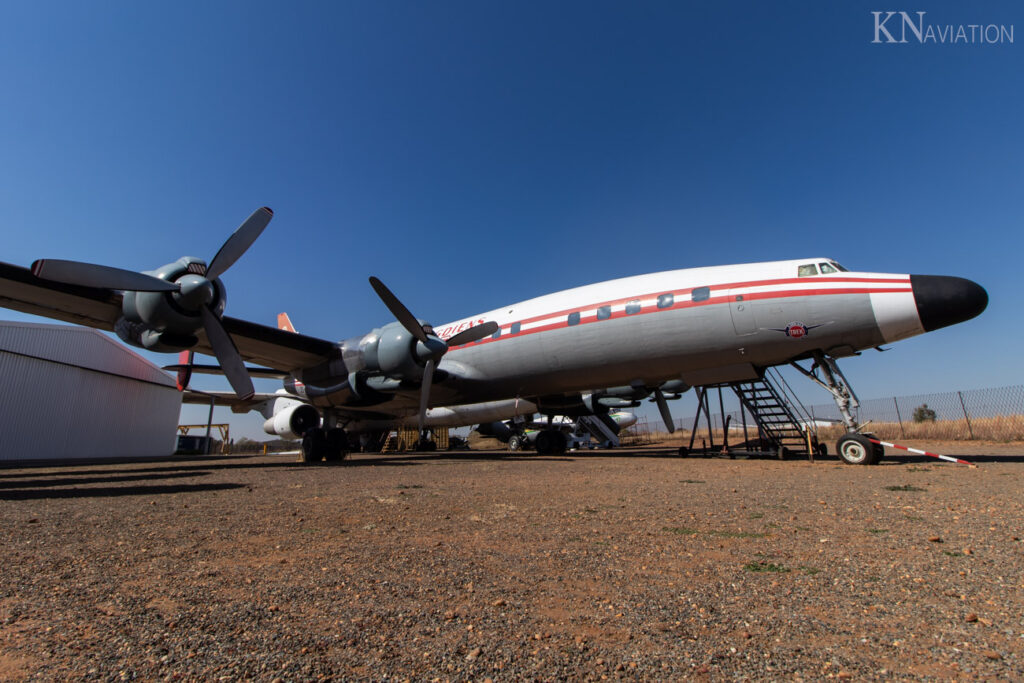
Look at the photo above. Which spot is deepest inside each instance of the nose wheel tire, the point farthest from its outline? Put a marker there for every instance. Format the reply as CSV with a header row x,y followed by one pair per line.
x,y
857,449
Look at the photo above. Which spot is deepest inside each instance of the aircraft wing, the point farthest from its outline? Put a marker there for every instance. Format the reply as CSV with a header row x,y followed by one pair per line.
x,y
271,347
228,398
21,291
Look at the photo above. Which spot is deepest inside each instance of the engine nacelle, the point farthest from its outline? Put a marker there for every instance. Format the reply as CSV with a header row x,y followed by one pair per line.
x,y
499,430
159,321
393,352
291,419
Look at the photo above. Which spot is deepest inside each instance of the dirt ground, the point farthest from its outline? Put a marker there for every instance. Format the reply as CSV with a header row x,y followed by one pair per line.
x,y
475,566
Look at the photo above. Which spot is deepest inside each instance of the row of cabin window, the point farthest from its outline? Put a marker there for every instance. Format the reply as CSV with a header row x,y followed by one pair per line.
x,y
664,301
667,300
605,312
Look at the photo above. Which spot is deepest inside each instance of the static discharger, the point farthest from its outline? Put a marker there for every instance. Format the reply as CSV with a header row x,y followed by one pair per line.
x,y
947,458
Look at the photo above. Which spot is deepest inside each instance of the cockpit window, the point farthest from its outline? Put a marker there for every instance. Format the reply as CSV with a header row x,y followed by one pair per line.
x,y
826,268
839,267
807,270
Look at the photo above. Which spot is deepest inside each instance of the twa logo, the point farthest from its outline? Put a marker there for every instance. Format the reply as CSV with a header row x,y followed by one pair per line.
x,y
796,330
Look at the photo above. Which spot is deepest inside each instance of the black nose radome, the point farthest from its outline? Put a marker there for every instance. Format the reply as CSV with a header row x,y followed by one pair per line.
x,y
943,300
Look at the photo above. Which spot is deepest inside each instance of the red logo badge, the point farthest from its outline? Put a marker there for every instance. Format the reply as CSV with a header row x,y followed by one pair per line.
x,y
796,330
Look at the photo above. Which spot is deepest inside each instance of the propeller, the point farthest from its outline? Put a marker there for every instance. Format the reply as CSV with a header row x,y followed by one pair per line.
x,y
184,369
398,309
666,414
193,292
92,275
428,379
433,347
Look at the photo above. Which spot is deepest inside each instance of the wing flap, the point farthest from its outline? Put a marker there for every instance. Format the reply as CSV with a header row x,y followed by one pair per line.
x,y
271,347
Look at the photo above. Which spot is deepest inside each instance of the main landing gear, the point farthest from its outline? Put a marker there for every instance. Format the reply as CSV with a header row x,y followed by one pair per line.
x,y
426,443
319,444
853,447
550,442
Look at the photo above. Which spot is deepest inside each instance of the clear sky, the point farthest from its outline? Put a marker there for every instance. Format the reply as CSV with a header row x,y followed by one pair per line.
x,y
474,154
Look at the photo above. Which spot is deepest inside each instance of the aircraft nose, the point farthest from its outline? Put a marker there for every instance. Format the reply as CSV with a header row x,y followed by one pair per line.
x,y
943,300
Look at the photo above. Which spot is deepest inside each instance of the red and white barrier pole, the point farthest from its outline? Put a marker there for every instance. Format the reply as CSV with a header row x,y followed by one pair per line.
x,y
947,458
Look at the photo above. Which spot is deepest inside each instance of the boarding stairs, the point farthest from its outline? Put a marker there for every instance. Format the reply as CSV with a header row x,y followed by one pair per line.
x,y
775,409
597,428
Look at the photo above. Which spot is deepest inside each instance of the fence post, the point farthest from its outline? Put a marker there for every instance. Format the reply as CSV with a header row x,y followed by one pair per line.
x,y
903,434
964,408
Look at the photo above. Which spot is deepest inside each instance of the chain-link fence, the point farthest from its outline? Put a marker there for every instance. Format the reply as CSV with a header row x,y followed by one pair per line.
x,y
985,414
995,414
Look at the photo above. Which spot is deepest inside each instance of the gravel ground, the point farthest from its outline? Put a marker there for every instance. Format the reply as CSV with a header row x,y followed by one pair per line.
x,y
630,564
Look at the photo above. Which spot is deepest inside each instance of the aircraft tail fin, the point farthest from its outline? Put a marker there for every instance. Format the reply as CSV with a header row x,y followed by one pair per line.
x,y
285,323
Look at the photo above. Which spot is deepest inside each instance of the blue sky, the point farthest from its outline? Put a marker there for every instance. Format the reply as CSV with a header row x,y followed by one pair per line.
x,y
474,154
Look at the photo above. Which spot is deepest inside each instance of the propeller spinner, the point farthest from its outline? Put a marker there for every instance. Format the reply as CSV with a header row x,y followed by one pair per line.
x,y
196,297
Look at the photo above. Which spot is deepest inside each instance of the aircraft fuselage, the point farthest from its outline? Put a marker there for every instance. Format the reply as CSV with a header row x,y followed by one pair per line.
x,y
700,325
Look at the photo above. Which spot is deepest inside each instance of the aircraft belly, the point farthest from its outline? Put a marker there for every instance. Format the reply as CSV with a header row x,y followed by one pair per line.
x,y
649,348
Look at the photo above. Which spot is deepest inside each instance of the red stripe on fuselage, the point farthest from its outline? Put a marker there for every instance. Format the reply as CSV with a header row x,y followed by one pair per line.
x,y
718,299
716,287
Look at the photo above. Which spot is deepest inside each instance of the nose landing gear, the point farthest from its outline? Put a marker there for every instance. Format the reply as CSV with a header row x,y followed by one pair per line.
x,y
853,447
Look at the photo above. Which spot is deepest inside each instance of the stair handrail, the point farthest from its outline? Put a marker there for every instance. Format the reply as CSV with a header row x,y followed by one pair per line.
x,y
790,398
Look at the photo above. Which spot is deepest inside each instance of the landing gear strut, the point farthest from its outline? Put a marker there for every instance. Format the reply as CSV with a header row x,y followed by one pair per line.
x,y
853,447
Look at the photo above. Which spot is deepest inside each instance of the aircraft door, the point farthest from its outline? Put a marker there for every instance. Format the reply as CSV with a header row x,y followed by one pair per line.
x,y
742,314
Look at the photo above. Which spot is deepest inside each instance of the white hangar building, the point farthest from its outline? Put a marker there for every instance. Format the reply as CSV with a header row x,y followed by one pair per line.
x,y
74,393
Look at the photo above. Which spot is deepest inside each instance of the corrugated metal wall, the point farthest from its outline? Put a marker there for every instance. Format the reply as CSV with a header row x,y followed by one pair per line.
x,y
80,346
64,394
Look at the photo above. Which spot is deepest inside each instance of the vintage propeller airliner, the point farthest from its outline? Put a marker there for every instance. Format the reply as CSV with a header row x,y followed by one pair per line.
x,y
581,351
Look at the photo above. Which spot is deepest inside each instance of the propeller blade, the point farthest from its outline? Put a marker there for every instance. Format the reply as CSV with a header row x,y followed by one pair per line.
x,y
239,242
428,378
666,414
92,275
401,313
474,333
227,355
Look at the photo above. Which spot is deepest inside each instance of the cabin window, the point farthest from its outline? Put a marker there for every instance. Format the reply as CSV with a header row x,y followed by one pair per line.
x,y
604,312
807,270
701,294
497,333
826,268
633,307
514,329
666,300
574,318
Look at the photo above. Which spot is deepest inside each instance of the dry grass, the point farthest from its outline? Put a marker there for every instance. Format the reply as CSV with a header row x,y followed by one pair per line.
x,y
1000,429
